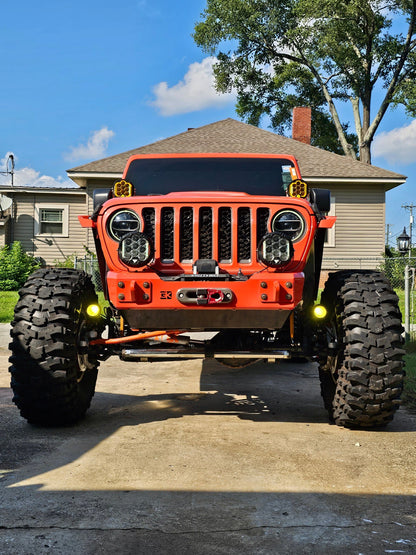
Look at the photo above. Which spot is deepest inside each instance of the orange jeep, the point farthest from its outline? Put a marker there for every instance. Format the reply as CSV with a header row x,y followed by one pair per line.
x,y
226,244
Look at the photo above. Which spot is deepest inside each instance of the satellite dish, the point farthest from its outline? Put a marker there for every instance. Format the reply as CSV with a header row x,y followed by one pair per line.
x,y
5,203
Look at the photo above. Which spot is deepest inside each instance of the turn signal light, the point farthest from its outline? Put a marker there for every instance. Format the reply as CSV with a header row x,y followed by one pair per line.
x,y
319,311
93,310
123,189
298,189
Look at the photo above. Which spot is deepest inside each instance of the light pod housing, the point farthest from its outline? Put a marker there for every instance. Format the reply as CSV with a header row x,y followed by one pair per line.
x,y
298,189
122,189
135,249
275,249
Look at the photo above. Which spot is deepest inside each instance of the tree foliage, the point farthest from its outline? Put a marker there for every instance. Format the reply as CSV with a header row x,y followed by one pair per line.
x,y
278,54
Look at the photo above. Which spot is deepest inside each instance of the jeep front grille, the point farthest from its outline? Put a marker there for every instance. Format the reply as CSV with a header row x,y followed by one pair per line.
x,y
227,234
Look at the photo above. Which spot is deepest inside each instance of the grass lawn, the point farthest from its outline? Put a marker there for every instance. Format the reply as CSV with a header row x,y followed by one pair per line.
x,y
7,301
410,383
400,294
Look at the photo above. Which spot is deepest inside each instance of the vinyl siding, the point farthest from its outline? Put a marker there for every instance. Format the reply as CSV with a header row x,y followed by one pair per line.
x,y
359,230
49,247
4,231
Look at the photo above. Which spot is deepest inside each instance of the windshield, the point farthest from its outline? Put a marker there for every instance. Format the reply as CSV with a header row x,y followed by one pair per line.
x,y
255,176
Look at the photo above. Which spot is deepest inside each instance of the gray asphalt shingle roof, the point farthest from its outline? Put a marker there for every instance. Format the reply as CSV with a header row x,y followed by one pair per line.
x,y
230,135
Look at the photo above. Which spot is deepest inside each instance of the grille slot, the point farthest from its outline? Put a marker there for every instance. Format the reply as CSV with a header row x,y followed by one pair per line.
x,y
205,232
166,231
148,215
224,235
263,215
244,235
186,247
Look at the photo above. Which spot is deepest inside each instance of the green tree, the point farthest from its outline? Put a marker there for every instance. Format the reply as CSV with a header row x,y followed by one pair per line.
x,y
278,54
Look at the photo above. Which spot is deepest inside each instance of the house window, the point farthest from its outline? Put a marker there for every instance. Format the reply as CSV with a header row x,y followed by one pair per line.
x,y
330,233
51,220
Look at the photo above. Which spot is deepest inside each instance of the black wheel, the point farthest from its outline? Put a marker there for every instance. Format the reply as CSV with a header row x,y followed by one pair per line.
x,y
361,370
53,375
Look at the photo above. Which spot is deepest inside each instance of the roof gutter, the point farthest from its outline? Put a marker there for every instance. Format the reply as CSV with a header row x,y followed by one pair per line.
x,y
80,178
389,183
383,180
96,175
41,190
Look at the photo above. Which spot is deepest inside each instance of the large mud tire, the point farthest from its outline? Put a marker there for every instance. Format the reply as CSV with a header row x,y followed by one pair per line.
x,y
53,380
362,373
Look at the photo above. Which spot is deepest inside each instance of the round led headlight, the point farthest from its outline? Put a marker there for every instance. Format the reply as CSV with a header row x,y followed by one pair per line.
x,y
275,249
290,223
123,222
135,249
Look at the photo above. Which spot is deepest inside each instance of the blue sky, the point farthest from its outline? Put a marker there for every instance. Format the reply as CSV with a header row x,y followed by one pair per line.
x,y
84,80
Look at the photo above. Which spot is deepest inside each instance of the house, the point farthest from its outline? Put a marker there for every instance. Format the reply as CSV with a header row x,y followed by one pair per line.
x,y
46,220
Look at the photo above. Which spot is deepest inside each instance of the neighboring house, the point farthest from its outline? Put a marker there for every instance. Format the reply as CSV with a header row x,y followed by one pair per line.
x,y
46,219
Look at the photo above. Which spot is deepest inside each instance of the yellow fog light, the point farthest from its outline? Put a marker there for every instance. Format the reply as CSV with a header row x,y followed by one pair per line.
x,y
123,189
93,310
298,189
319,311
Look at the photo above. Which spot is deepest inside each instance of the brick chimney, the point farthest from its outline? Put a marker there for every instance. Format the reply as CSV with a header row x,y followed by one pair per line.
x,y
301,124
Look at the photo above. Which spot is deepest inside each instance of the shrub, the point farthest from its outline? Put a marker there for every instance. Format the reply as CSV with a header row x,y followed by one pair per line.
x,y
15,266
8,285
68,262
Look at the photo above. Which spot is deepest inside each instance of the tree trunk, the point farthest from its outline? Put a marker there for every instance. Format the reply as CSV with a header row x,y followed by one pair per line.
x,y
365,153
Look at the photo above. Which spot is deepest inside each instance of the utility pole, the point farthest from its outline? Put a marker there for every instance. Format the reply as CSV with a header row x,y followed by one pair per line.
x,y
388,226
410,207
10,171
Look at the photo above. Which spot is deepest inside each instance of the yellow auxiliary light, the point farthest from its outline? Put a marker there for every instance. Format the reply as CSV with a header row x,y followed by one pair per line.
x,y
298,189
93,310
319,311
123,189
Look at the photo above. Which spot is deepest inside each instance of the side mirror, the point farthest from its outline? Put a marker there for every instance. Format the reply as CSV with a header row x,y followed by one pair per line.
x,y
99,197
321,200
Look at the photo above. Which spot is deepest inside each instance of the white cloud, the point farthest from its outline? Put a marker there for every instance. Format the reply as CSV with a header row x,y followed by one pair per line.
x,y
397,145
96,146
29,177
195,92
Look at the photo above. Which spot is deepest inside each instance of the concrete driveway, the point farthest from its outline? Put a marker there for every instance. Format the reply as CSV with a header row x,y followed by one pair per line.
x,y
195,458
